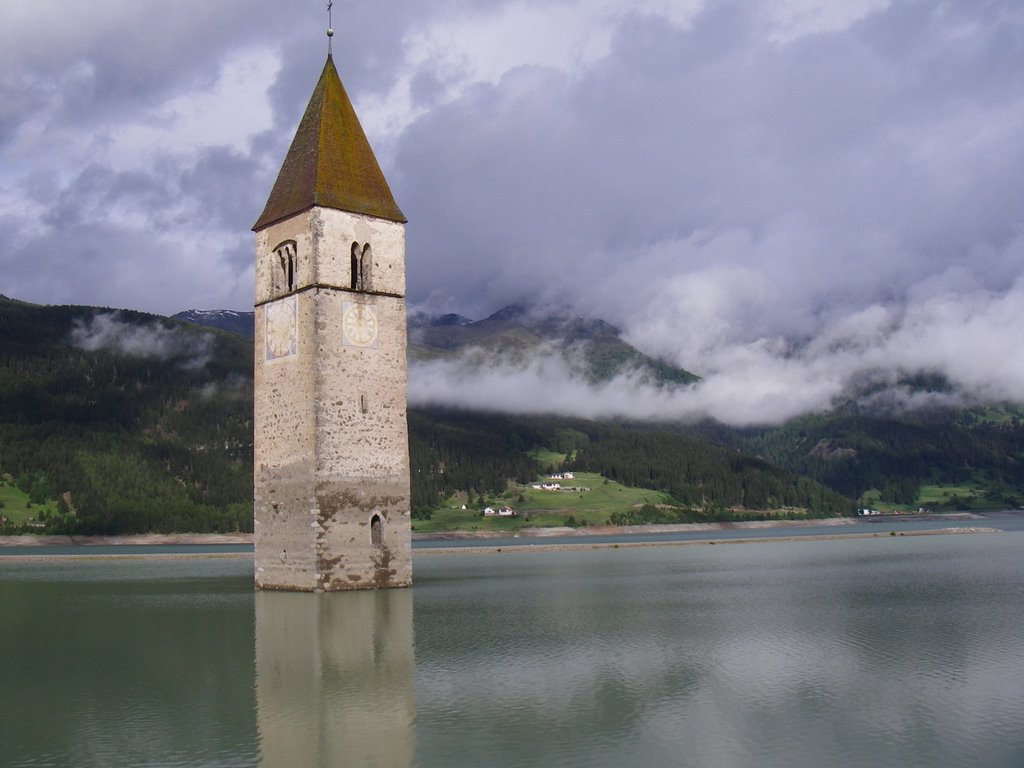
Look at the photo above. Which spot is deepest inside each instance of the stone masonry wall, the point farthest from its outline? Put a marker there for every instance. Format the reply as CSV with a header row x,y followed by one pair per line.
x,y
331,436
284,453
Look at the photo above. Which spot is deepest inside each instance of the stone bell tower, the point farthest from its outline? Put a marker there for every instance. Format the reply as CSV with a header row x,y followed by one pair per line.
x,y
331,445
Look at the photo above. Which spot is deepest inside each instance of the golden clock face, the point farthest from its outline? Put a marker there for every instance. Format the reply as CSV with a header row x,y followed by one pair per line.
x,y
280,331
359,324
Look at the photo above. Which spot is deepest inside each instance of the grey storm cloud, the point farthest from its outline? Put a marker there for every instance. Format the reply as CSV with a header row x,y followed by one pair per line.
x,y
788,197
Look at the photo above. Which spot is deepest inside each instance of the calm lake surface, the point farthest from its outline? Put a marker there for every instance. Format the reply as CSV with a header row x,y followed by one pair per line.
x,y
893,651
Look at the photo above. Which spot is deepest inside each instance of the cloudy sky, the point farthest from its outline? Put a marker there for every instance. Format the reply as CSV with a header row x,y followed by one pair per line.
x,y
796,199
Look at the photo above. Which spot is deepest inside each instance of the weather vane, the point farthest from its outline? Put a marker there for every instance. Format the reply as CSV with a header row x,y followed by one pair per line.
x,y
330,26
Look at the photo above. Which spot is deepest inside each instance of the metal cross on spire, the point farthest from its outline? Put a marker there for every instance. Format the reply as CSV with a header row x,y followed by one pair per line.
x,y
330,27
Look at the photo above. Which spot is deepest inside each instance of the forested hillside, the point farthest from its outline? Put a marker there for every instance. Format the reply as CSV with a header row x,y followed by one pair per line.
x,y
696,473
452,451
455,451
132,422
115,422
895,454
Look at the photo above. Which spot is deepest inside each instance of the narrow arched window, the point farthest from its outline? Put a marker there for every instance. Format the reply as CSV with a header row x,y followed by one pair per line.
x,y
377,532
286,265
362,267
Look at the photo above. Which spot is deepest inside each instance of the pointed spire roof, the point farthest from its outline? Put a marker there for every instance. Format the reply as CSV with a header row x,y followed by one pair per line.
x,y
330,162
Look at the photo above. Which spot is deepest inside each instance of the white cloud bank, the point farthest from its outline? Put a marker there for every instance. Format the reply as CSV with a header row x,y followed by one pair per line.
x,y
974,341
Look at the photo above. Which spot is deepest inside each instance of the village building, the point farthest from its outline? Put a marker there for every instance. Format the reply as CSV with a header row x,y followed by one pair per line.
x,y
499,512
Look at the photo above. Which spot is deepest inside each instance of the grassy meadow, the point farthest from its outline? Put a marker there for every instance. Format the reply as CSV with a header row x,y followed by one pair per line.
x,y
941,498
540,509
14,503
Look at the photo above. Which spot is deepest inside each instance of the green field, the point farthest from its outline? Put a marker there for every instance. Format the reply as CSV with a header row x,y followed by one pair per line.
x,y
15,506
940,498
953,497
541,509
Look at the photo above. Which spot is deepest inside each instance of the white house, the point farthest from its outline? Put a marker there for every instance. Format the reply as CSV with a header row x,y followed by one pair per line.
x,y
499,512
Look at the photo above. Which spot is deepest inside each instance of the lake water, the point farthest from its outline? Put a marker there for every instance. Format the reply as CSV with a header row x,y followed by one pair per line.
x,y
894,651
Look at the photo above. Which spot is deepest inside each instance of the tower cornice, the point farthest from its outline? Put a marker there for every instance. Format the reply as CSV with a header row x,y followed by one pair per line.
x,y
339,289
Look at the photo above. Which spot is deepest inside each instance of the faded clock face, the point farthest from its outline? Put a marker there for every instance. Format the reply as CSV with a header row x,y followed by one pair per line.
x,y
281,329
359,324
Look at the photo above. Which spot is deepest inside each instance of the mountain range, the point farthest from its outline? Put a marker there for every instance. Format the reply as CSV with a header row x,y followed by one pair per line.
x,y
225,319
136,422
515,333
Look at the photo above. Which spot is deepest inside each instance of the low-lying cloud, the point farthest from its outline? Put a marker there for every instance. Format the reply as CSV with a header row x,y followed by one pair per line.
x,y
150,341
972,343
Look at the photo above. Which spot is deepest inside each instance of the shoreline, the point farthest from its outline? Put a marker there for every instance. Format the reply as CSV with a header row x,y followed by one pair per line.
x,y
627,530
484,549
29,540
481,549
582,546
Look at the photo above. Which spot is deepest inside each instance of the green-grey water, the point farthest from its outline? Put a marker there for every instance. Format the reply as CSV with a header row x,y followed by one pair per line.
x,y
893,651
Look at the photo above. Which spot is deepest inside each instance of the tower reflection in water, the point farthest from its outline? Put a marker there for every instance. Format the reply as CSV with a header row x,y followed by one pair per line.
x,y
334,678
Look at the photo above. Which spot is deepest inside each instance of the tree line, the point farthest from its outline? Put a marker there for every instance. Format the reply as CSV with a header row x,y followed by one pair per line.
x,y
854,451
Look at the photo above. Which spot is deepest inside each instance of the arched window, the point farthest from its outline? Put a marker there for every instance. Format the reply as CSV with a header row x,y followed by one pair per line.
x,y
362,267
376,532
286,253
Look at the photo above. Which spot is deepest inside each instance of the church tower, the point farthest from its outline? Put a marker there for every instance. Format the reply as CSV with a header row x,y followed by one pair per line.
x,y
331,445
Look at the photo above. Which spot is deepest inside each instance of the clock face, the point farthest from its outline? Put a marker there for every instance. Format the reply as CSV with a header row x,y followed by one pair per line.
x,y
359,324
280,331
